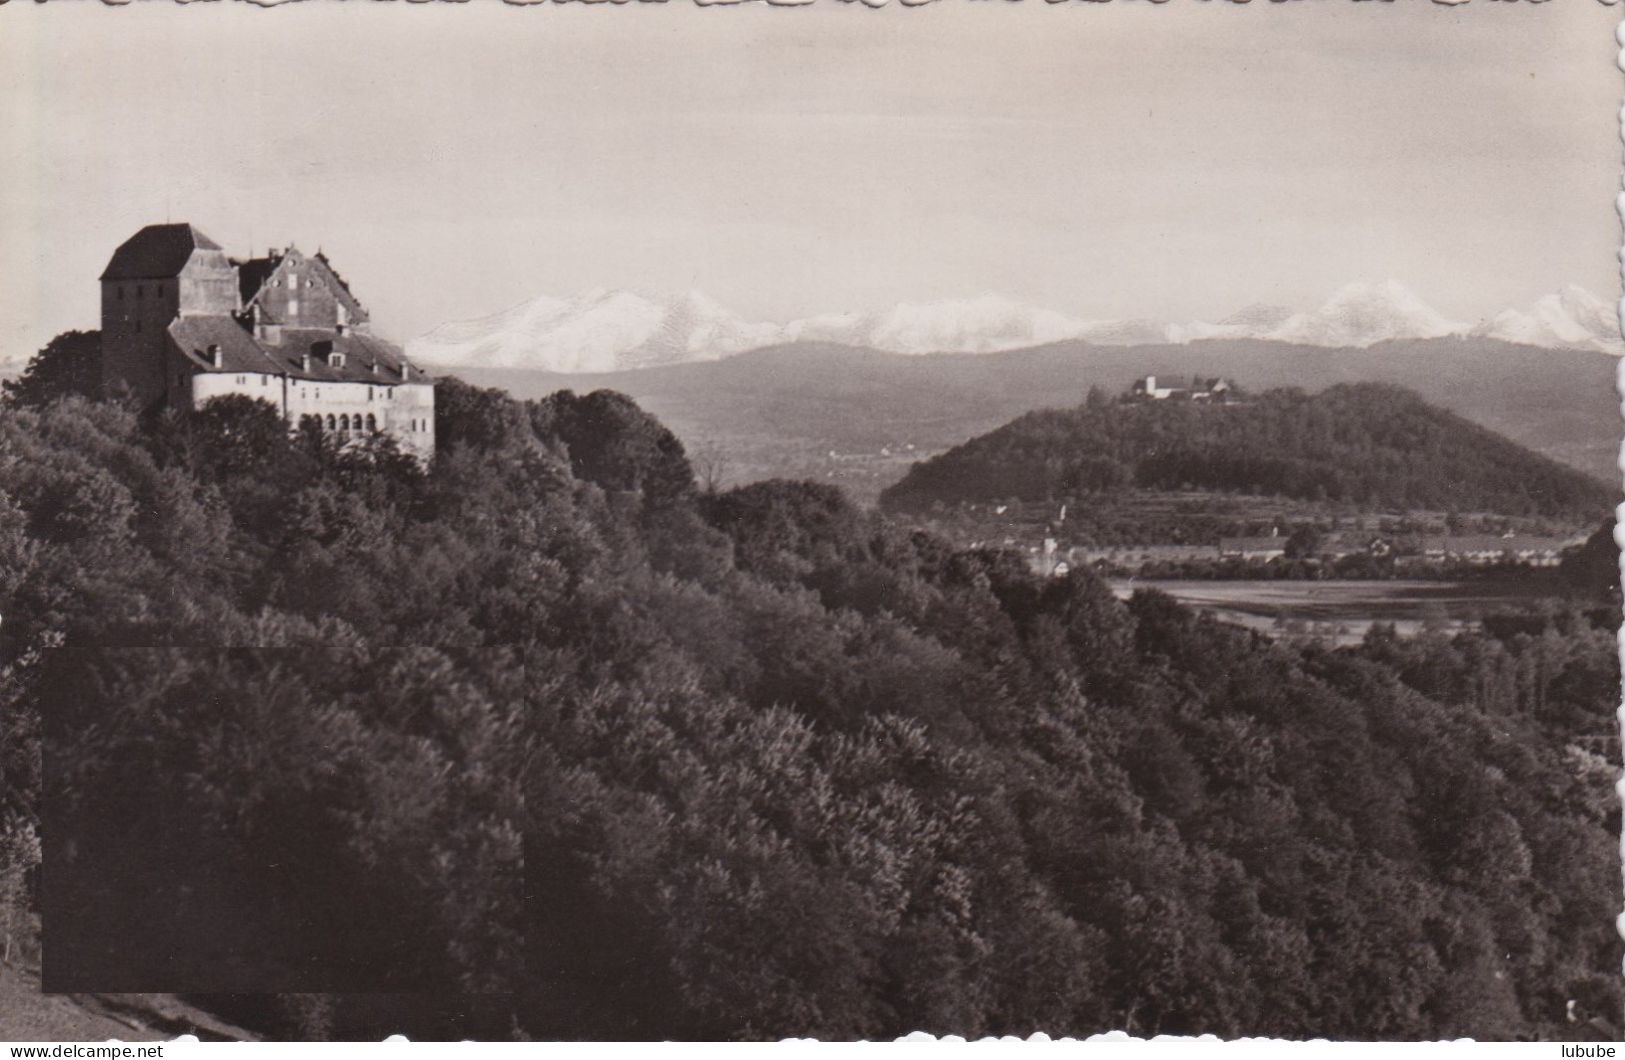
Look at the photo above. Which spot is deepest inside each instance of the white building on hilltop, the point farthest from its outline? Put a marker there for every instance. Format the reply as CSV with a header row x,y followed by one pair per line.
x,y
1149,388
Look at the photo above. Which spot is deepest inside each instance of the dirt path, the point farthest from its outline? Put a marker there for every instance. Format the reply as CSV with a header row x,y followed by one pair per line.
x,y
28,1015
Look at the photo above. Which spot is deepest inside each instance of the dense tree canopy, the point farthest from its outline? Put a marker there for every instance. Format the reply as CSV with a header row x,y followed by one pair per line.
x,y
70,364
1371,444
540,728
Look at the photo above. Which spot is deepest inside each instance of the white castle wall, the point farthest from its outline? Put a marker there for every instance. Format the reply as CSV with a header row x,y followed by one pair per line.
x,y
404,410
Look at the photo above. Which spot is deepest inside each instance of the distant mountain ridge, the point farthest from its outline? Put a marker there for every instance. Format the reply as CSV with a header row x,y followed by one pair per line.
x,y
611,331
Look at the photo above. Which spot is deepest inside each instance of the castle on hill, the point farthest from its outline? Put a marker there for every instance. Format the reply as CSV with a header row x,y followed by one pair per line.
x,y
1150,388
182,323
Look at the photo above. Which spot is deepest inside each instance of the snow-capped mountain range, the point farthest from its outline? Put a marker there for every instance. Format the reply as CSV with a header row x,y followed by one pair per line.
x,y
597,331
985,324
1573,317
607,331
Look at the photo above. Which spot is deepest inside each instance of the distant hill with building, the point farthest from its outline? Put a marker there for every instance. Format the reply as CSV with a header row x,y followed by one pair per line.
x,y
1209,388
1368,445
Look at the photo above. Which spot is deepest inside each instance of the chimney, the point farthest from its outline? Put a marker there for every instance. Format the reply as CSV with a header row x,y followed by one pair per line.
x,y
216,358
374,367
264,330
304,362
406,371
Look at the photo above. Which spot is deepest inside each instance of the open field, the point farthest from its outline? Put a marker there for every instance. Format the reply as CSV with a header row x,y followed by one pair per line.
x,y
1342,611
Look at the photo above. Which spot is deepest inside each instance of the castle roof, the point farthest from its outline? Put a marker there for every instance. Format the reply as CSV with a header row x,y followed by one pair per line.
x,y
361,352
157,252
255,273
340,280
238,350
252,274
241,352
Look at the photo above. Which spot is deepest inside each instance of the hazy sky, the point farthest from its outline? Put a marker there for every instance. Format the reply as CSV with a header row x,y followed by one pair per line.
x,y
1174,161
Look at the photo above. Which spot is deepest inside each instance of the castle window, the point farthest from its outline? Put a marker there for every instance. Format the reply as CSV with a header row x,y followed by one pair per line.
x,y
332,424
372,422
344,422
140,291
293,281
120,292
293,307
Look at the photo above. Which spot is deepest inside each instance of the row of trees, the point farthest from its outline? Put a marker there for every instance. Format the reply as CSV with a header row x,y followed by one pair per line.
x,y
542,740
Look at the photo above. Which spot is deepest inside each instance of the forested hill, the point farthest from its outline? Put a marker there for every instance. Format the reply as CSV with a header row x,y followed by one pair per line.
x,y
545,741
1362,443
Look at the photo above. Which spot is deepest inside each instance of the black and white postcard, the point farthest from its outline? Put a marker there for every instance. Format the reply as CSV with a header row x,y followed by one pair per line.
x,y
734,522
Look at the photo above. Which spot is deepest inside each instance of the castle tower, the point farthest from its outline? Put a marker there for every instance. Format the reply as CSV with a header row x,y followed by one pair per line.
x,y
160,273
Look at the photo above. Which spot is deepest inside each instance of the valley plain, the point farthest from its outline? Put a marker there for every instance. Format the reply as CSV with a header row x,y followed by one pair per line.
x,y
1344,612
